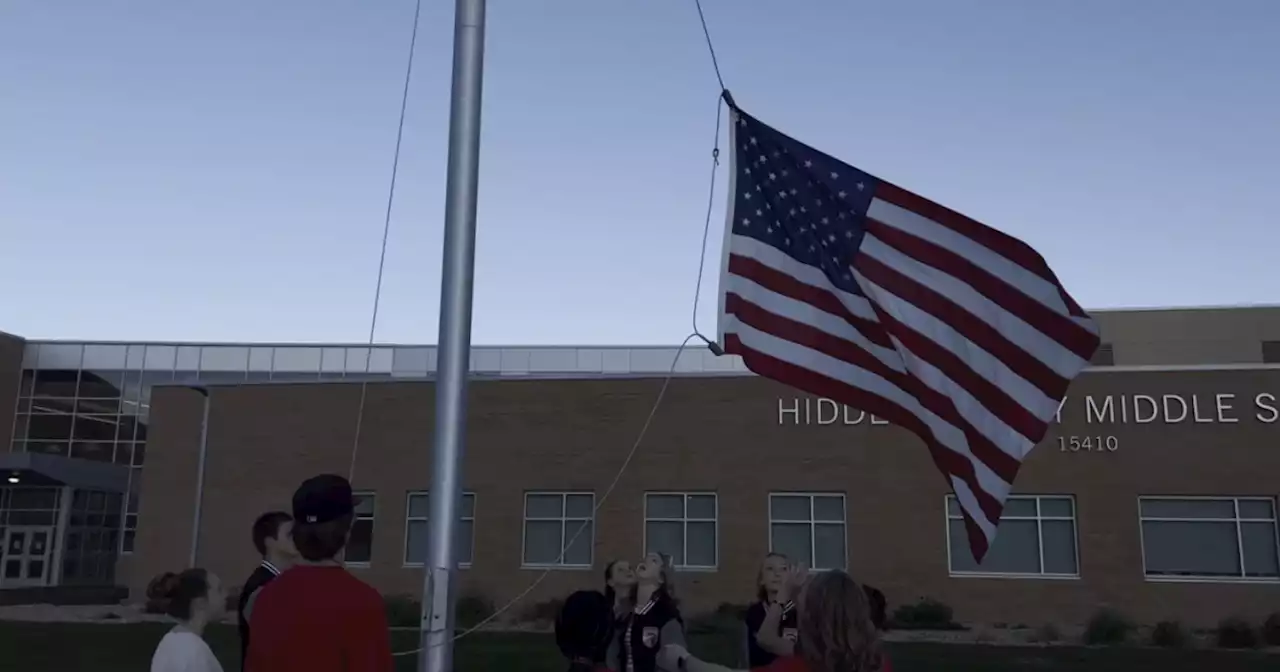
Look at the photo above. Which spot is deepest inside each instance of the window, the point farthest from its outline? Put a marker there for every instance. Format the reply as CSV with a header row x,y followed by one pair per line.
x,y
559,529
1209,538
808,528
1037,537
417,531
682,525
360,543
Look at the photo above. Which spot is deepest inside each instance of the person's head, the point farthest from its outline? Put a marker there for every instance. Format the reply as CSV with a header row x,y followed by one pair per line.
x,y
583,627
273,536
773,571
618,579
193,595
656,571
323,507
834,621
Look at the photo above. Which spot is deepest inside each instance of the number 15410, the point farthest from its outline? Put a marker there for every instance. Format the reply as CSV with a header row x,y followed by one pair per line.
x,y
1088,444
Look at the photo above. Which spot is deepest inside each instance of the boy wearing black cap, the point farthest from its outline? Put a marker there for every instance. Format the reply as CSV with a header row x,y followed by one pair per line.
x,y
317,617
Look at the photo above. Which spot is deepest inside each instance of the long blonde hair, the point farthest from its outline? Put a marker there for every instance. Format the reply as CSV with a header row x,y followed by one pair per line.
x,y
835,629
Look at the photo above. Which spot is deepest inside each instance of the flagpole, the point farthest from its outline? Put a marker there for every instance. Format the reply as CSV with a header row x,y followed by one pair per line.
x,y
454,361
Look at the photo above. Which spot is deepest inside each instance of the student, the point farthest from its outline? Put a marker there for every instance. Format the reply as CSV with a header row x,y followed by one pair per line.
x,y
654,620
771,619
618,582
835,632
317,617
583,628
273,537
879,608
195,599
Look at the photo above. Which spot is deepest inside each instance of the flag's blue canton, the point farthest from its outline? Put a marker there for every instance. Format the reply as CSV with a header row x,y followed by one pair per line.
x,y
793,197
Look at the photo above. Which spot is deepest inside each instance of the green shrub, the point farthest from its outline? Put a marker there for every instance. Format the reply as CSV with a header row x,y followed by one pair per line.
x,y
403,611
1170,634
1271,630
1236,633
1108,626
927,614
472,610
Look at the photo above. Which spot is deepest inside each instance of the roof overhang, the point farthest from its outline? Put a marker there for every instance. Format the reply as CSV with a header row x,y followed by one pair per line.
x,y
42,469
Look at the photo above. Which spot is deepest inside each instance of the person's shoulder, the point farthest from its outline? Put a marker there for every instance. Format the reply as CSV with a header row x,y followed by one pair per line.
x,y
755,612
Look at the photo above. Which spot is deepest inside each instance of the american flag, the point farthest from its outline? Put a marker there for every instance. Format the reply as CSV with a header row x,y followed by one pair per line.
x,y
848,287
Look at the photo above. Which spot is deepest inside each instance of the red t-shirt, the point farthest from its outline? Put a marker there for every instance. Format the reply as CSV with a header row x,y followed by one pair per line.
x,y
796,664
319,619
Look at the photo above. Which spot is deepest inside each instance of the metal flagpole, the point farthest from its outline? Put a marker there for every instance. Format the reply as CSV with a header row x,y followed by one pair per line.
x,y
454,362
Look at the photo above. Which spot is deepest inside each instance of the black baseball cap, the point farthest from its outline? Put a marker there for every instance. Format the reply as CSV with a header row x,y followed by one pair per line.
x,y
322,499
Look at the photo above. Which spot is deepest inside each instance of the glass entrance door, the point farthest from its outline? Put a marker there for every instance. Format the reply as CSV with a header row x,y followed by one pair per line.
x,y
26,554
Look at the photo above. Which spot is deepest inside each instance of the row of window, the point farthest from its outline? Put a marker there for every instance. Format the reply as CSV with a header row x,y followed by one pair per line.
x,y
1181,537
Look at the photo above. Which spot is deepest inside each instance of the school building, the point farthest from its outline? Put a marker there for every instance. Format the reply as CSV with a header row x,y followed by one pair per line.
x,y
1155,492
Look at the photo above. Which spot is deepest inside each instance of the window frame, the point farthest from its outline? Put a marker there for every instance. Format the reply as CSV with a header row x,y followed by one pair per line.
x,y
564,537
408,518
812,523
1039,518
1237,520
372,518
684,525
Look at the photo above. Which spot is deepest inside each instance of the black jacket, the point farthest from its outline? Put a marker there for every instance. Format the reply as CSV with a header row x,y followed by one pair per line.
x,y
757,656
645,632
259,578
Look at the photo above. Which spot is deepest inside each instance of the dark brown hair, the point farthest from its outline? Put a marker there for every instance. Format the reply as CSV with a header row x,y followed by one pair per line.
x,y
321,541
267,526
834,620
175,593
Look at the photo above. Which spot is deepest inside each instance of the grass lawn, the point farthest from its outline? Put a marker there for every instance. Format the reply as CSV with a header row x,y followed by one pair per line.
x,y
68,647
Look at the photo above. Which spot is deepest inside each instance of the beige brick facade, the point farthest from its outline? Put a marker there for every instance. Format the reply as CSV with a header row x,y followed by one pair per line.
x,y
723,435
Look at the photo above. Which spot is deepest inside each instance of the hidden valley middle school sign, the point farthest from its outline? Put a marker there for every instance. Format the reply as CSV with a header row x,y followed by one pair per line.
x,y
1103,410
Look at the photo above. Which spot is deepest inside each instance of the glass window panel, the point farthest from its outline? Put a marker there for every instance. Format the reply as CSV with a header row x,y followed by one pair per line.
x,y
664,506
789,507
700,545
59,383
225,358
188,358
1059,547
793,541
357,362
579,550
97,451
419,505
579,506
1190,548
359,547
464,544
1188,508
49,427
61,355
1016,550
51,406
135,357
297,360
333,360
1257,509
20,423
828,508
125,427
1019,507
542,541
260,359
97,406
410,361
1260,553
381,360
124,453
127,541
366,503
1057,507
49,447
665,537
27,381
96,427
101,383
159,357
701,507
417,534
544,506
34,498
104,357
828,546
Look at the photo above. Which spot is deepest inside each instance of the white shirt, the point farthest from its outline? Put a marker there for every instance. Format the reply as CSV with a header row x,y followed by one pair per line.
x,y
184,651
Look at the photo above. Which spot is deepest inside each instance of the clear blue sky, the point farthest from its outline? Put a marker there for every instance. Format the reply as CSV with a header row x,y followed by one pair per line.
x,y
218,170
